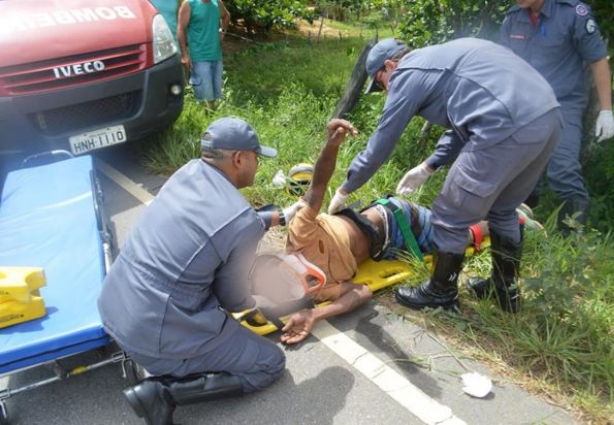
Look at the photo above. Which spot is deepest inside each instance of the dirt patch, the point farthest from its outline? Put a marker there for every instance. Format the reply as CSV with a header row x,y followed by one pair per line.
x,y
237,38
312,30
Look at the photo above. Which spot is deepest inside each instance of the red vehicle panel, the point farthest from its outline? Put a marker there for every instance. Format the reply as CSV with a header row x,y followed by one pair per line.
x,y
84,74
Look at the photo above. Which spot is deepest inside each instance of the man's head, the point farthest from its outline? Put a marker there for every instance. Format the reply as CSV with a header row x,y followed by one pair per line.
x,y
232,145
382,60
285,277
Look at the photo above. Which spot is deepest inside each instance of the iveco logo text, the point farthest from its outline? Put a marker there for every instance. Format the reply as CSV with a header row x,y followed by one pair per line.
x,y
78,69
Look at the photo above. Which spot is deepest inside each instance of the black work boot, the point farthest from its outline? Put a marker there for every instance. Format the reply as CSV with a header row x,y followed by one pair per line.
x,y
441,290
205,387
155,399
503,282
151,401
576,209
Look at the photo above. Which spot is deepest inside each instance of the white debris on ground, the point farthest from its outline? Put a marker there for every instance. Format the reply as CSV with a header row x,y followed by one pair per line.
x,y
476,385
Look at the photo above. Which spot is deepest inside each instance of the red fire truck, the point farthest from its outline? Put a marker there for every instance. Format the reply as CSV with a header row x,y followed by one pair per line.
x,y
80,75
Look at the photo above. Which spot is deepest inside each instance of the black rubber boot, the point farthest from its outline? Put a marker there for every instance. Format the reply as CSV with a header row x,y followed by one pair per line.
x,y
503,283
576,209
441,290
155,399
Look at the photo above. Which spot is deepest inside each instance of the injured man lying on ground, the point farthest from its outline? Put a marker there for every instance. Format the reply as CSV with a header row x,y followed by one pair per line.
x,y
329,248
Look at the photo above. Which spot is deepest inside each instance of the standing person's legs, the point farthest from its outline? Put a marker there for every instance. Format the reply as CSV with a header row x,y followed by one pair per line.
x,y
505,234
217,70
473,185
244,363
203,83
565,171
467,194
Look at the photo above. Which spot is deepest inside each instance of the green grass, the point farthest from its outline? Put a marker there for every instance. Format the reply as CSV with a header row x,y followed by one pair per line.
x,y
564,336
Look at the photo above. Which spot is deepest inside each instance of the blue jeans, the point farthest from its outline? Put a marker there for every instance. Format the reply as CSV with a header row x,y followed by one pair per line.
x,y
206,80
414,214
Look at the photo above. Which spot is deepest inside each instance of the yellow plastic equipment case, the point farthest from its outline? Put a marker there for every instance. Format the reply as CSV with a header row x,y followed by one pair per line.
x,y
20,300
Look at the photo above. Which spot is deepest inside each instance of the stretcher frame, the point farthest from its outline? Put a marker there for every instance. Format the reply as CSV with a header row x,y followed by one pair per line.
x,y
101,341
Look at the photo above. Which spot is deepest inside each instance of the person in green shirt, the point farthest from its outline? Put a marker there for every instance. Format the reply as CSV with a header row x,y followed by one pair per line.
x,y
201,28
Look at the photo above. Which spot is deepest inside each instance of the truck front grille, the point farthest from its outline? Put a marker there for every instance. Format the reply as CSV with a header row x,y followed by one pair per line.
x,y
82,115
71,71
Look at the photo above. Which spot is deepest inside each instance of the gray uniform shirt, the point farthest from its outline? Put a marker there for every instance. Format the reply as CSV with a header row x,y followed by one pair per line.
x,y
564,39
480,90
188,255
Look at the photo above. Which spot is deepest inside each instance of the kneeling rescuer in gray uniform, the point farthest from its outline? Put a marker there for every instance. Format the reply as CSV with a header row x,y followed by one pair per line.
x,y
183,267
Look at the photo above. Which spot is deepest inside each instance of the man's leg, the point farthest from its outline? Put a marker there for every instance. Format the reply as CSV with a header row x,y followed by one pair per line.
x,y
565,171
255,360
196,80
202,83
474,183
505,233
217,71
418,219
244,363
209,84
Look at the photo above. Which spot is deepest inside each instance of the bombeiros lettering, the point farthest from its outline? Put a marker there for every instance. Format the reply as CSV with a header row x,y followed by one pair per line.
x,y
29,21
78,69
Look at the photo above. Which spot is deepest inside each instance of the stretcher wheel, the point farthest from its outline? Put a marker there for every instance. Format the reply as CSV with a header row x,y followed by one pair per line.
x,y
4,414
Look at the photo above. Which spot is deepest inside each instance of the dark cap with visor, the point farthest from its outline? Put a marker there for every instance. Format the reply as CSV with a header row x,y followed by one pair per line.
x,y
383,50
234,134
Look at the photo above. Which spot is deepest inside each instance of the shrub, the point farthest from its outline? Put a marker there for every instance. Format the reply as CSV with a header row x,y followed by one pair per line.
x,y
263,15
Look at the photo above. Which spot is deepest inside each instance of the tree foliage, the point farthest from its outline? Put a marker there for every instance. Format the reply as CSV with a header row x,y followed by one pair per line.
x,y
434,21
263,15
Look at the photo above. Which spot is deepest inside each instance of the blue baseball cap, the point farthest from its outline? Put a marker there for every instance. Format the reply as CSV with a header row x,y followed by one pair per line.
x,y
234,134
383,50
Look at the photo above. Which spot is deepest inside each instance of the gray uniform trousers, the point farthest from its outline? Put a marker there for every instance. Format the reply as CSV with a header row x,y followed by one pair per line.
x,y
255,360
491,183
564,171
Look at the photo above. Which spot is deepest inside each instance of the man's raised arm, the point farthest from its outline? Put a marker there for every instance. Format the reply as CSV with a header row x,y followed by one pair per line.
x,y
323,170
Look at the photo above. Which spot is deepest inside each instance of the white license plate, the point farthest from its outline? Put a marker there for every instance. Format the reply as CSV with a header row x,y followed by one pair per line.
x,y
97,139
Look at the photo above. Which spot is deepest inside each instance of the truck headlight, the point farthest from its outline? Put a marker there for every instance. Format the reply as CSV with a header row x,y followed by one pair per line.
x,y
163,43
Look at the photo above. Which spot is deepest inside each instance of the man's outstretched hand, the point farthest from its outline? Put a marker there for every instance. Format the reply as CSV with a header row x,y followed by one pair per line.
x,y
337,129
298,327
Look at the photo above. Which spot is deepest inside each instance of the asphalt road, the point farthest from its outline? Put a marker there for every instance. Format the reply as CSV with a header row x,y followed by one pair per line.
x,y
369,367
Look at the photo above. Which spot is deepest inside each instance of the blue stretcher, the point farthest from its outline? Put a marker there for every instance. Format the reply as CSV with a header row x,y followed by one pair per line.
x,y
51,217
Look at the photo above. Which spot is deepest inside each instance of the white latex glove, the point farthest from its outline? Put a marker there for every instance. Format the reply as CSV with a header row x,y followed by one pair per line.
x,y
413,179
604,129
279,180
337,202
292,209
